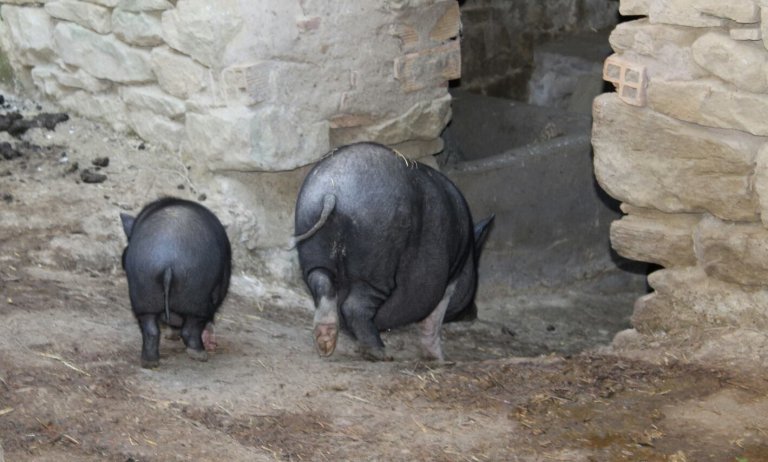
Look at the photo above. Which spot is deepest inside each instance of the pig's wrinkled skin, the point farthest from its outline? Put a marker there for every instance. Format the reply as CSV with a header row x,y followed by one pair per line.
x,y
178,263
384,242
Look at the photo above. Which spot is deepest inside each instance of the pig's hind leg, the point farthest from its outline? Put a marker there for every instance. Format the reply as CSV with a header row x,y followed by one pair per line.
x,y
326,322
150,340
359,309
192,334
431,325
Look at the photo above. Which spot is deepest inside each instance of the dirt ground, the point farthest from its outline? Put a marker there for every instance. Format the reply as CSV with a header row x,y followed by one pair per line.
x,y
71,387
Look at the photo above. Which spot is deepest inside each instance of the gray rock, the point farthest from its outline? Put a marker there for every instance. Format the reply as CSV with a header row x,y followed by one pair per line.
x,y
102,56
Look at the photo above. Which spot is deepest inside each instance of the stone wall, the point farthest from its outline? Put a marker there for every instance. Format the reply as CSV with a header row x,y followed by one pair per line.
x,y
245,92
683,143
249,86
499,37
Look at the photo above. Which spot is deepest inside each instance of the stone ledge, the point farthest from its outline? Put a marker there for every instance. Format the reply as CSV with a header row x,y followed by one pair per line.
x,y
655,237
686,298
682,168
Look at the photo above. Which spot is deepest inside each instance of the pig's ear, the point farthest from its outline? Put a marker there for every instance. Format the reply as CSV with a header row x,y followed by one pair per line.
x,y
482,228
127,223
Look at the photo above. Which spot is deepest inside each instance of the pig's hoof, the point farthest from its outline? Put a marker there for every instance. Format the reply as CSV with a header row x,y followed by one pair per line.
x,y
375,354
325,338
197,355
150,363
209,340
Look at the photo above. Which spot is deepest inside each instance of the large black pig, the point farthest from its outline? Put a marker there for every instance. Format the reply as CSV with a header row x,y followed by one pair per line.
x,y
178,263
384,242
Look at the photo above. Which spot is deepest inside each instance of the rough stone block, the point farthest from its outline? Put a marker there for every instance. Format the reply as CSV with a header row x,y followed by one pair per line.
x,y
88,15
45,81
201,32
102,56
30,34
448,24
664,50
408,35
748,32
711,103
56,82
686,298
743,64
144,5
424,121
764,23
430,67
107,3
178,74
733,252
761,182
270,138
743,11
106,107
655,237
142,29
634,7
156,129
27,2
682,168
152,99
681,13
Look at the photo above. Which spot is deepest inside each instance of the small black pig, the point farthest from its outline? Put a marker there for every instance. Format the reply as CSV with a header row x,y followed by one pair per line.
x,y
178,261
384,242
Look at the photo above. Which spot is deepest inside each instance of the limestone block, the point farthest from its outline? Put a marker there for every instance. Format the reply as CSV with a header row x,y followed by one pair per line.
x,y
178,74
107,3
144,5
746,32
89,15
634,7
427,27
269,138
764,23
107,107
655,237
154,100
45,81
733,252
686,298
761,182
423,121
156,129
30,32
102,56
430,67
55,81
743,11
664,50
649,160
743,64
142,29
202,32
681,13
448,24
711,103
26,2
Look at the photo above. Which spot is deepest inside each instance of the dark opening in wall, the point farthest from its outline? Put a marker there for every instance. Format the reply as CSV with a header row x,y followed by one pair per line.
x,y
519,146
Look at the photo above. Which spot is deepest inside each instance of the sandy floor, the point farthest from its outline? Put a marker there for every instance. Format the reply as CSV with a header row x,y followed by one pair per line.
x,y
516,389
